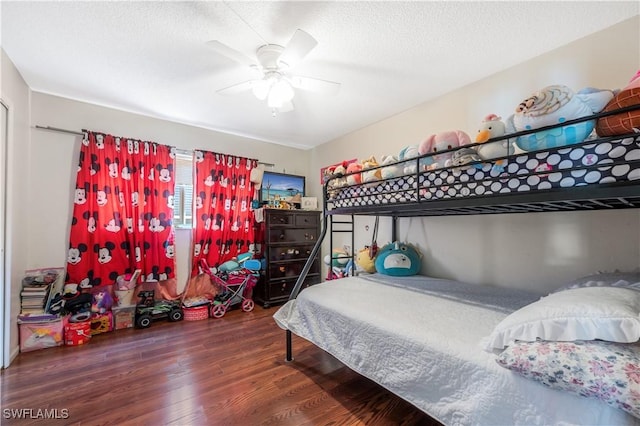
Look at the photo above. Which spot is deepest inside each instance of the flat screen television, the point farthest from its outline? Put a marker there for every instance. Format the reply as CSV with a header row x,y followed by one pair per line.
x,y
278,187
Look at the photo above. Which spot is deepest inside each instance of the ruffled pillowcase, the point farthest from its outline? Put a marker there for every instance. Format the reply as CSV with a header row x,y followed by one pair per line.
x,y
606,279
585,313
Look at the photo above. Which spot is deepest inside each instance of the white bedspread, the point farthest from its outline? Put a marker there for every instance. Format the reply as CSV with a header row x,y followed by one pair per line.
x,y
421,338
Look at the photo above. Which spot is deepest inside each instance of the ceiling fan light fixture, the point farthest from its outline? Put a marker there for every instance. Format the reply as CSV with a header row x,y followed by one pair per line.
x,y
280,93
261,89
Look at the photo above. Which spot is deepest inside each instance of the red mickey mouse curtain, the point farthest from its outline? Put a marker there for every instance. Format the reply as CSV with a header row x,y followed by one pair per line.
x,y
223,216
123,211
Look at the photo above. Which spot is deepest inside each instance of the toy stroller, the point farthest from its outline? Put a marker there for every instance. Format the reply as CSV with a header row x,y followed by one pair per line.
x,y
237,288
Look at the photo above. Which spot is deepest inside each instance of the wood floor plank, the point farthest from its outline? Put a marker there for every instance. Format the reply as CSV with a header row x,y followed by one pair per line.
x,y
227,371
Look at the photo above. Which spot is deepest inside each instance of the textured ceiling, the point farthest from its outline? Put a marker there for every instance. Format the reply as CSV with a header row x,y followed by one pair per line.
x,y
151,57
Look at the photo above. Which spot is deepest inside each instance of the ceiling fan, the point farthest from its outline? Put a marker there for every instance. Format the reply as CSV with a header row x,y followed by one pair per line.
x,y
274,62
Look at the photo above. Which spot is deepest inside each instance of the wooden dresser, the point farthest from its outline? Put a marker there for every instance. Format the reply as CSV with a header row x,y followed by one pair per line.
x,y
289,239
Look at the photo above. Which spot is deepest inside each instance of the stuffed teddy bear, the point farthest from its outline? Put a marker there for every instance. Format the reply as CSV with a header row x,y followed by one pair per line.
x,y
553,105
370,175
625,122
407,153
443,141
392,170
398,260
356,178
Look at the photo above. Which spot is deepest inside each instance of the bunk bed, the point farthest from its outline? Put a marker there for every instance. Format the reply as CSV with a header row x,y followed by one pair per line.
x,y
427,339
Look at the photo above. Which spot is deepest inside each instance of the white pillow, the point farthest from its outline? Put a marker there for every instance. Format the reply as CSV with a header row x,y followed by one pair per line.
x,y
606,279
588,313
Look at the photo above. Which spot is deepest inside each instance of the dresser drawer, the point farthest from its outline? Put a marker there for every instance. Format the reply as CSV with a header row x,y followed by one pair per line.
x,y
289,269
307,220
292,235
290,252
283,288
280,218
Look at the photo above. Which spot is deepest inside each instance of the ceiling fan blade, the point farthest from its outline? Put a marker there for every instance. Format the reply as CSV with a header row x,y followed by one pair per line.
x,y
237,88
315,85
298,47
230,53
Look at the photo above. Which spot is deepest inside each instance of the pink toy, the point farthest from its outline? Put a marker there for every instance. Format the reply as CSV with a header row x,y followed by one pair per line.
x,y
356,178
441,142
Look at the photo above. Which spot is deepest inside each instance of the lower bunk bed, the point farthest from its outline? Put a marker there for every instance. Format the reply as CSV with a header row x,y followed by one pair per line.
x,y
429,341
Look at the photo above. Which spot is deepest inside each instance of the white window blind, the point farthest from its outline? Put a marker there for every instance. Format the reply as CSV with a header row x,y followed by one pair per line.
x,y
183,198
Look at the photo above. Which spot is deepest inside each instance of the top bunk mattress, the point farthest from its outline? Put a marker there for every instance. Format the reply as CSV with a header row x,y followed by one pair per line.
x,y
422,338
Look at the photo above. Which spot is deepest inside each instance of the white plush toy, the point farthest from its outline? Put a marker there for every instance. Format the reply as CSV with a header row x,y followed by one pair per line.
x,y
408,152
392,170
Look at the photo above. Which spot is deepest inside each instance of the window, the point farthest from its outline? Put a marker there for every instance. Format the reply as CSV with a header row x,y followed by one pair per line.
x,y
183,198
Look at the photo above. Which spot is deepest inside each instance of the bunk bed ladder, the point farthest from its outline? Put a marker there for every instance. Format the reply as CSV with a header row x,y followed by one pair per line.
x,y
341,226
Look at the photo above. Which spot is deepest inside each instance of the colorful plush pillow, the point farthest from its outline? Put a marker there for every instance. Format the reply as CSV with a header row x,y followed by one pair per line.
x,y
606,371
625,122
588,313
398,260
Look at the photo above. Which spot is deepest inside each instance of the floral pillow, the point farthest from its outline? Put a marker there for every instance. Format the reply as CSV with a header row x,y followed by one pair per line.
x,y
596,369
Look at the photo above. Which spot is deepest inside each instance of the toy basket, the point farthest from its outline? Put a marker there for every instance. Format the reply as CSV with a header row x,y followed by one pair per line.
x,y
196,313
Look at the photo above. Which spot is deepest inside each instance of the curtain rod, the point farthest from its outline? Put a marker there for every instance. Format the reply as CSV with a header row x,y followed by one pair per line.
x,y
56,129
73,132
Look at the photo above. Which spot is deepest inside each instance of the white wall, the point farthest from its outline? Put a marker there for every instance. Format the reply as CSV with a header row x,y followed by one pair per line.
x,y
538,251
54,158
15,94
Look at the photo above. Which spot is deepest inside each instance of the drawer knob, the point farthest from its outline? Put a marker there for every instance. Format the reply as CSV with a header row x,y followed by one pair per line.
x,y
281,236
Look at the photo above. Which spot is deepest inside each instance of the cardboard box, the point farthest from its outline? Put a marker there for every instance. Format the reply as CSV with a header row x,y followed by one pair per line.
x,y
123,317
101,323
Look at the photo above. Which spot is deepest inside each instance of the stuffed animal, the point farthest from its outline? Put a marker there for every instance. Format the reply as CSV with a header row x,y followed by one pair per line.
x,y
398,260
392,170
340,170
464,156
340,262
356,178
554,105
364,260
338,258
370,175
407,153
335,178
626,122
102,302
492,127
443,141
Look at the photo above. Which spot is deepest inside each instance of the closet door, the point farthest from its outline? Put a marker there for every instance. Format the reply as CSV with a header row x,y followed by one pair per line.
x,y
4,299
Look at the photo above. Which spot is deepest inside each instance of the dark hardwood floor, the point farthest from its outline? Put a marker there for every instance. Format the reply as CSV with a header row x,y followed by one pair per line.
x,y
228,371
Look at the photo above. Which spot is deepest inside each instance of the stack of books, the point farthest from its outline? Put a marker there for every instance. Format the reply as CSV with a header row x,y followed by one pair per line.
x,y
34,296
39,287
